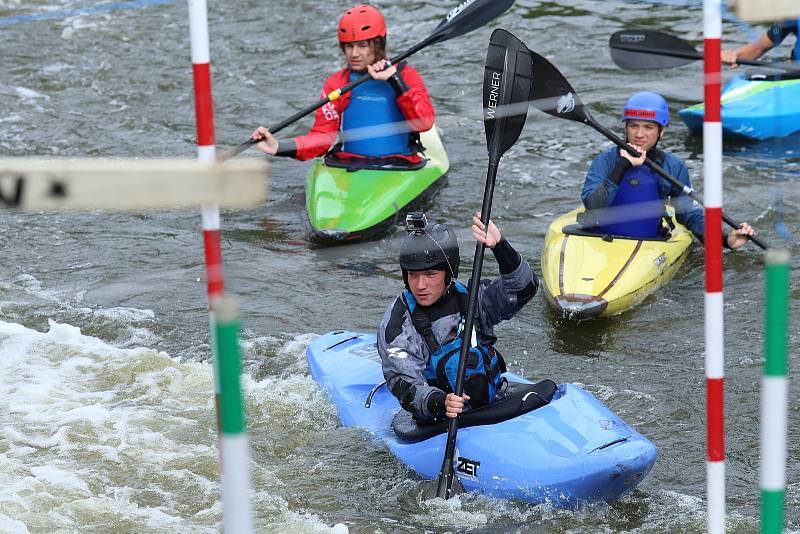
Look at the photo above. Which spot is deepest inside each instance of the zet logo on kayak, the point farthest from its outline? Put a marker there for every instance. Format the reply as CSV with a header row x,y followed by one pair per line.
x,y
468,467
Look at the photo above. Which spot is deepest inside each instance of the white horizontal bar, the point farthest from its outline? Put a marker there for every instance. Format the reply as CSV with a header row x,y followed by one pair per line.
x,y
130,184
766,10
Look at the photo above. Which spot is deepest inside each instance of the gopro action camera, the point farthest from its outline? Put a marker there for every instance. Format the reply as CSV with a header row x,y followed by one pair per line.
x,y
416,222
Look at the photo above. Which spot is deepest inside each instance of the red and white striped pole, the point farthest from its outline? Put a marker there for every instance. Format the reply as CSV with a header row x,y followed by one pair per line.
x,y
715,355
206,152
233,447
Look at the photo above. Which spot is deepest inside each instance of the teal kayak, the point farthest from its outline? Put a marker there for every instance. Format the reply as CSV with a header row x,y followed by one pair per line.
x,y
351,202
753,109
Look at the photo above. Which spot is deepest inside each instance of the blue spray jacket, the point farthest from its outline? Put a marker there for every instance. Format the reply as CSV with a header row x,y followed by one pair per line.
x,y
600,190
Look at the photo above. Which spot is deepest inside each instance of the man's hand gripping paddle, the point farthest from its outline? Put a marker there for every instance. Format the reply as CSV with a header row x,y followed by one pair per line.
x,y
506,91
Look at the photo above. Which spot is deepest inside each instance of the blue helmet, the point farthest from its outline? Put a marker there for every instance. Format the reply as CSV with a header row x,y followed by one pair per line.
x,y
646,106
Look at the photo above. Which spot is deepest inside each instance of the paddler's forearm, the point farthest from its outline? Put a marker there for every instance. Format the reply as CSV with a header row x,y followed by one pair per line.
x,y
287,148
517,275
507,258
606,190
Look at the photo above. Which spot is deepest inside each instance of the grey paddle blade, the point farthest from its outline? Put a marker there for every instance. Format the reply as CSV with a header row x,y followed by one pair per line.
x,y
649,49
506,90
553,94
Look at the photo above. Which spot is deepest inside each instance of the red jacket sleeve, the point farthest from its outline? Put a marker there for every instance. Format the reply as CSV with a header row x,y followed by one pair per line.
x,y
415,103
327,120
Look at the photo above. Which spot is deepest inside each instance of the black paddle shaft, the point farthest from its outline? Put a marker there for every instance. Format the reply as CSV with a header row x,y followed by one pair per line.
x,y
506,91
464,18
445,482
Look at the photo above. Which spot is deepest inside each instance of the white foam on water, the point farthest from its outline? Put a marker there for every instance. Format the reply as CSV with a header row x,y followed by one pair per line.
x,y
30,94
11,118
125,315
451,513
56,67
12,526
94,435
32,286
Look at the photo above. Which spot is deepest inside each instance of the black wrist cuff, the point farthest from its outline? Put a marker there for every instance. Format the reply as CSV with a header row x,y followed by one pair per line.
x,y
619,170
436,404
287,148
398,84
507,258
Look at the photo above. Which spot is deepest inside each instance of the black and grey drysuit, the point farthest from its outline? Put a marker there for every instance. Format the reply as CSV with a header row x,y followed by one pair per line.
x,y
406,354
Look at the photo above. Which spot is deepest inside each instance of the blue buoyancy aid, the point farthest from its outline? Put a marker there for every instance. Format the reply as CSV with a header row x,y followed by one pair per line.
x,y
372,124
484,364
637,209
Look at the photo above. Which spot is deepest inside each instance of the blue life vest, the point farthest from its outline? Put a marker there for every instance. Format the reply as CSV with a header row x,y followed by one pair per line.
x,y
372,124
637,209
484,368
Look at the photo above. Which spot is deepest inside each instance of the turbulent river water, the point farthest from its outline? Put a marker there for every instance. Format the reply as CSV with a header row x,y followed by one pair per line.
x,y
108,418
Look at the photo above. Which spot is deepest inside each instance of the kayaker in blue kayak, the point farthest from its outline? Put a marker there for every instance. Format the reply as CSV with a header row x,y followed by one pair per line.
x,y
383,116
624,197
419,338
765,42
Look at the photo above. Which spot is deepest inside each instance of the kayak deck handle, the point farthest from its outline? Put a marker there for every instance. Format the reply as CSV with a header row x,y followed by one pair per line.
x,y
371,393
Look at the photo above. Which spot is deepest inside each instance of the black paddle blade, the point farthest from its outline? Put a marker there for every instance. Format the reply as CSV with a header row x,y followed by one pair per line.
x,y
553,94
507,82
649,49
467,16
430,489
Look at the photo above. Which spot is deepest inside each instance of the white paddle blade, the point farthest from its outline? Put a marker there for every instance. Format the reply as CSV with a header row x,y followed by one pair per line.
x,y
130,184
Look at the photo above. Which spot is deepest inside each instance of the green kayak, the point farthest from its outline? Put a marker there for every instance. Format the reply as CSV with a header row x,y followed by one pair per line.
x,y
346,203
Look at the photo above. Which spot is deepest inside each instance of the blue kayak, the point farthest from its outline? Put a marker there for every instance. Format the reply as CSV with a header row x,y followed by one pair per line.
x,y
753,109
570,451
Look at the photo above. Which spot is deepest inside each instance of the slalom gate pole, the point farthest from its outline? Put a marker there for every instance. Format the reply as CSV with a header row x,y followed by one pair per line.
x,y
714,333
233,450
236,475
206,152
774,392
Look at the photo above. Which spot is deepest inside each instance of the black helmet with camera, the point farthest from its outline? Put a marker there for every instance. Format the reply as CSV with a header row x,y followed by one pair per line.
x,y
428,247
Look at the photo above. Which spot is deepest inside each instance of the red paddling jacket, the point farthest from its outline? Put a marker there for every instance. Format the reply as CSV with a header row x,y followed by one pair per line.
x,y
412,100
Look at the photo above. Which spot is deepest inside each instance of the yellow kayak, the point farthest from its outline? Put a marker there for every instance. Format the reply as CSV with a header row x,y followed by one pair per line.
x,y
588,276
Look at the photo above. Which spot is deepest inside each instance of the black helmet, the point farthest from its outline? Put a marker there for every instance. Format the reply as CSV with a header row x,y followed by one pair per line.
x,y
427,246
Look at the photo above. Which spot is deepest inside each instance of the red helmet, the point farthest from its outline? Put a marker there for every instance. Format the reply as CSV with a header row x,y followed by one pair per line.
x,y
360,24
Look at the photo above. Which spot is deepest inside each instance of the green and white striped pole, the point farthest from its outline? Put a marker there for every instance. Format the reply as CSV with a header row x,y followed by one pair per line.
x,y
235,453
774,388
